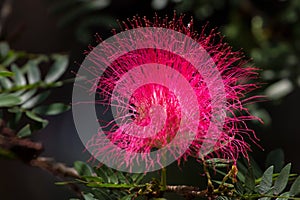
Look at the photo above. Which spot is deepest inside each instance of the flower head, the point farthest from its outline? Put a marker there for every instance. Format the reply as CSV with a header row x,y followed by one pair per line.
x,y
148,116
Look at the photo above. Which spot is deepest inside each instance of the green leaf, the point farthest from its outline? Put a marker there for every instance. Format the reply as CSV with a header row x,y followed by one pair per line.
x,y
52,109
27,95
4,49
89,196
19,76
101,173
275,158
10,58
239,188
96,179
137,178
34,74
250,180
222,198
283,196
282,179
257,172
5,83
266,181
295,188
111,175
269,194
24,132
9,100
6,73
59,67
83,169
128,197
36,118
36,100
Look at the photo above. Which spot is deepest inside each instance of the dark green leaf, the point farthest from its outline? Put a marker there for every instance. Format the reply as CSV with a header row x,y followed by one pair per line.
x,y
57,69
239,188
111,175
96,179
222,198
250,180
36,118
24,132
9,100
282,179
137,178
102,173
128,197
295,188
275,158
266,181
83,169
257,172
52,109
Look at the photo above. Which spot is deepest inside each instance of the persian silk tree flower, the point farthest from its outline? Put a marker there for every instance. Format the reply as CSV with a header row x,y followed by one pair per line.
x,y
148,100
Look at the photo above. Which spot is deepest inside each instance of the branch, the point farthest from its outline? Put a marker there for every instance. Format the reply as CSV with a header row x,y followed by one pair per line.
x,y
189,192
55,168
29,151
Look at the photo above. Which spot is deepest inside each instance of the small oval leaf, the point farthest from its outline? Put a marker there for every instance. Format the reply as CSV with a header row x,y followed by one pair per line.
x,y
9,100
282,179
24,132
52,109
19,76
266,181
295,188
34,74
59,67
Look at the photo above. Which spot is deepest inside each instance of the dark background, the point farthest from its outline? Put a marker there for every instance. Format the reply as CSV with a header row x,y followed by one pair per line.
x,y
267,30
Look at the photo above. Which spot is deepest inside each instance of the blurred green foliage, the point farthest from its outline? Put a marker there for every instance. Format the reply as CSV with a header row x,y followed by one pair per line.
x,y
24,88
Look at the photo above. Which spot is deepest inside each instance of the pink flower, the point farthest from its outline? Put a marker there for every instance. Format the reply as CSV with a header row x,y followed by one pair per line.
x,y
150,98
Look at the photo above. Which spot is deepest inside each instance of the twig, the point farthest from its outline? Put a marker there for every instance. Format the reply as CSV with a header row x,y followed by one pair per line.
x,y
189,191
55,168
29,151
